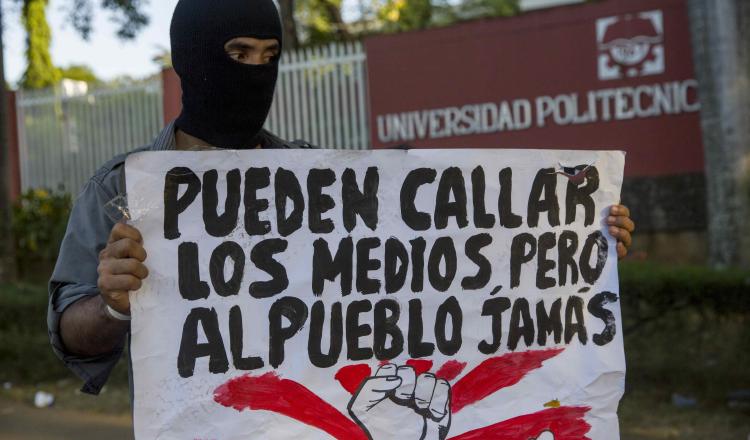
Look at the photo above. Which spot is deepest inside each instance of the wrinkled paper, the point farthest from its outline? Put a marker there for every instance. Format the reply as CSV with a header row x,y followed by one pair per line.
x,y
432,294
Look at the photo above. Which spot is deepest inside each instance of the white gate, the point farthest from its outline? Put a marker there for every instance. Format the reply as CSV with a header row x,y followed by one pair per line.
x,y
66,133
321,97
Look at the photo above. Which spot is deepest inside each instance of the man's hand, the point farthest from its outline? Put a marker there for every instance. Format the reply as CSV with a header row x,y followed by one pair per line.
x,y
397,401
620,227
121,267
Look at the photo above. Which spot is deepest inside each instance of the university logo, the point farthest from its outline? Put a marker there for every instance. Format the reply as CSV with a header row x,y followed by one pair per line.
x,y
631,45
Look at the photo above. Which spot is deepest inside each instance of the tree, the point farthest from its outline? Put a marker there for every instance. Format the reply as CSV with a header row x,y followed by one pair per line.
x,y
472,9
78,72
40,72
289,23
321,21
127,14
311,22
720,31
402,15
162,58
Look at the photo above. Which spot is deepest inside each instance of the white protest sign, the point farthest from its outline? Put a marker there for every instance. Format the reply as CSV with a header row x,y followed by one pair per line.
x,y
423,294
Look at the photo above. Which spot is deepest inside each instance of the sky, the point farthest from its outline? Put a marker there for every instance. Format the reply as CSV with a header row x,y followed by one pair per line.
x,y
108,56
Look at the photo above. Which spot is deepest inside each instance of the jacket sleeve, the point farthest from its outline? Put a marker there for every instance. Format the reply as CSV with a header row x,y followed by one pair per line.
x,y
75,277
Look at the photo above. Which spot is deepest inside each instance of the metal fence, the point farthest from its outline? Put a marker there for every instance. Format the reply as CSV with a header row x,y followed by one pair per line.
x,y
321,97
66,134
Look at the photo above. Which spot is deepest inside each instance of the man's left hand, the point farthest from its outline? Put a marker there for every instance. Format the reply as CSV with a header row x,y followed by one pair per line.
x,y
620,227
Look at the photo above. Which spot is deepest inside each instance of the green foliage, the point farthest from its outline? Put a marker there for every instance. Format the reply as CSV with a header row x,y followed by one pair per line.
x,y
395,15
78,72
127,14
320,21
162,58
402,15
471,9
40,72
39,221
650,291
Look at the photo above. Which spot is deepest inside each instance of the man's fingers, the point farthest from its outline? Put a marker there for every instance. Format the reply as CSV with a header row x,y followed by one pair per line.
x,y
620,227
440,399
405,391
124,248
620,210
124,266
423,390
122,230
112,283
621,222
621,235
622,251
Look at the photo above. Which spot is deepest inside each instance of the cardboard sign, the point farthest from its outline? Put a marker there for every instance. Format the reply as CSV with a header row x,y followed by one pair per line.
x,y
423,294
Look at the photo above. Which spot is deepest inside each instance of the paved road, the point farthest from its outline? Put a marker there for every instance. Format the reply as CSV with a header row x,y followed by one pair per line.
x,y
22,422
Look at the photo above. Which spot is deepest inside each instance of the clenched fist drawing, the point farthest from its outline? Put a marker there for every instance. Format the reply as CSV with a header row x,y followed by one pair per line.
x,y
396,403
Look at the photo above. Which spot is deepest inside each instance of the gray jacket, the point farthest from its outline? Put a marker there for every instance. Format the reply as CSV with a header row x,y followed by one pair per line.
x,y
75,275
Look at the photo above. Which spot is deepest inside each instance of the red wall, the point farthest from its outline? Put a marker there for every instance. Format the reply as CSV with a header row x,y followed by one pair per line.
x,y
548,52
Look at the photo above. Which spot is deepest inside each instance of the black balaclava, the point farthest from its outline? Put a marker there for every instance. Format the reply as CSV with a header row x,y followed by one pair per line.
x,y
224,102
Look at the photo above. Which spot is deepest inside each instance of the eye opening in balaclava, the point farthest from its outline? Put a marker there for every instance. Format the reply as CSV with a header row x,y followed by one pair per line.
x,y
273,59
224,102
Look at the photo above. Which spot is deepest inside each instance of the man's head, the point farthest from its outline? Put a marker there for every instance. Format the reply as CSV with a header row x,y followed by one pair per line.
x,y
226,53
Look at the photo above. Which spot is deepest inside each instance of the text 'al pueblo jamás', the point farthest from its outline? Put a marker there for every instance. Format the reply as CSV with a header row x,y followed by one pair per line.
x,y
365,271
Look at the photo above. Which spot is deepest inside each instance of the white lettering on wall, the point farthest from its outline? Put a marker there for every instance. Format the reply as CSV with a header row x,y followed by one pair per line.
x,y
618,104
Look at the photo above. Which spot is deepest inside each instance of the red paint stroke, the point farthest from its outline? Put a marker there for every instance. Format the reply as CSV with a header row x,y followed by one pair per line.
x,y
496,373
420,365
450,370
271,393
351,376
565,423
383,362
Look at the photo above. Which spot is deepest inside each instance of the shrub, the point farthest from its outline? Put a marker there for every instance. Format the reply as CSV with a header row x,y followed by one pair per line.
x,y
650,291
39,221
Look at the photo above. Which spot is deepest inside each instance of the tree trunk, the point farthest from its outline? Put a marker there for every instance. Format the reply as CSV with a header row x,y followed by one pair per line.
x,y
721,52
7,246
333,11
291,41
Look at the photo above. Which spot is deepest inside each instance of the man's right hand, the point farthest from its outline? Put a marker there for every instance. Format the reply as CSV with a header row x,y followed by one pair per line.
x,y
121,267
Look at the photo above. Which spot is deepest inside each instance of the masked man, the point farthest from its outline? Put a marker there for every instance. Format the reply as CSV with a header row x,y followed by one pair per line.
x,y
226,54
